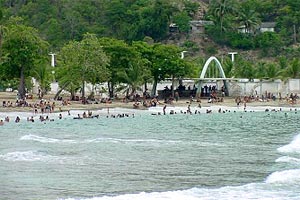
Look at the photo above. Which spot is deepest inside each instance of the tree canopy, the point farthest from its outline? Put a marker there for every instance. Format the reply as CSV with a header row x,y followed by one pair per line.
x,y
128,44
23,49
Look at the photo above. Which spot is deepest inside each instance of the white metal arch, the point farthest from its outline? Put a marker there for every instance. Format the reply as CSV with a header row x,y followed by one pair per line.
x,y
206,65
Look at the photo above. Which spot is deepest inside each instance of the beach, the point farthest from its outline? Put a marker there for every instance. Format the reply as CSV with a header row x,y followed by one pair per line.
x,y
119,103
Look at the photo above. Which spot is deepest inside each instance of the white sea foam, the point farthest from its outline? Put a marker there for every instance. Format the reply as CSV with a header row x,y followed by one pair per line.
x,y
27,156
293,147
41,139
287,176
288,159
246,192
127,140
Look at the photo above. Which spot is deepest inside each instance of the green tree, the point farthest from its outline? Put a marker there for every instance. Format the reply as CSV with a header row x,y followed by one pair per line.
x,y
190,7
161,11
182,20
133,77
248,18
245,69
267,70
293,69
84,61
41,72
166,63
24,48
220,10
269,43
1,34
122,58
146,52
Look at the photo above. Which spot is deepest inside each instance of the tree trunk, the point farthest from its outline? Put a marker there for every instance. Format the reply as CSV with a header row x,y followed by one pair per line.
x,y
72,96
60,90
111,89
153,92
83,90
173,79
1,37
22,84
145,86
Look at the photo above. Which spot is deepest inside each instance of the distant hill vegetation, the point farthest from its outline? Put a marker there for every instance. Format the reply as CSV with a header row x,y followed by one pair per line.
x,y
127,43
236,23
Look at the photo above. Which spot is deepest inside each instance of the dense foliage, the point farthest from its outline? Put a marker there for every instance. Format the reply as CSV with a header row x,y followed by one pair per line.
x,y
123,43
237,24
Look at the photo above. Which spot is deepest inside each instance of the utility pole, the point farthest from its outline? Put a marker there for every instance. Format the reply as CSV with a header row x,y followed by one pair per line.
x,y
52,63
52,59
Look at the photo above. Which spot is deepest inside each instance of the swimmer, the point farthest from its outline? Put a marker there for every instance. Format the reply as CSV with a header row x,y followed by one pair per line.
x,y
17,120
7,119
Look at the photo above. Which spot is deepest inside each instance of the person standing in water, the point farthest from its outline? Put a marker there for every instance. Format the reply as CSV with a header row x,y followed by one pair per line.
x,y
189,109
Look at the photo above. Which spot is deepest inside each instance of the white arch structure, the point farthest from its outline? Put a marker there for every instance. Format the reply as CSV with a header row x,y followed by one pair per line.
x,y
206,65
222,73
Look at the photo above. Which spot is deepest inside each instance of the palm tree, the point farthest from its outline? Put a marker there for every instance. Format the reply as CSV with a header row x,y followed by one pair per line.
x,y
228,67
133,77
249,18
272,71
41,73
293,69
220,9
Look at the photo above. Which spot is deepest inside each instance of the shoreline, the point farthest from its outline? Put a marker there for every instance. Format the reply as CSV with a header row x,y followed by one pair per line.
x,y
228,102
182,104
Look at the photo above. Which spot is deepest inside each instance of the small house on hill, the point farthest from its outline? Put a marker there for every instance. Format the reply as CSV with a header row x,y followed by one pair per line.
x,y
198,26
263,27
173,28
267,27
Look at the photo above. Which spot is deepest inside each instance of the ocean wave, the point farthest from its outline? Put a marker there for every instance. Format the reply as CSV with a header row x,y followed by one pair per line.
x,y
288,159
45,139
287,176
246,192
124,140
27,156
41,139
293,147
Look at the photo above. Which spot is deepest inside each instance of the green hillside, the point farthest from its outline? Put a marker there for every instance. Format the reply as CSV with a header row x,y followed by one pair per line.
x,y
264,33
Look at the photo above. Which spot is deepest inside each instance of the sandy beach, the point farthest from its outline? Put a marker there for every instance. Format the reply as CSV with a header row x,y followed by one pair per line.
x,y
182,103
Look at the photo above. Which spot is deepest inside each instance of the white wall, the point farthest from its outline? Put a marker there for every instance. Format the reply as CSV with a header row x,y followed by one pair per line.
x,y
277,86
241,87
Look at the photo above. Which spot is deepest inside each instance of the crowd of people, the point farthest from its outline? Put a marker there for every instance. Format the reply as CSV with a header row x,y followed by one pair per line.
x,y
43,108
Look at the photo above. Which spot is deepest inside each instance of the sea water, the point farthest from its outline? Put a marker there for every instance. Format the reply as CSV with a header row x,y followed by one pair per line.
x,y
228,156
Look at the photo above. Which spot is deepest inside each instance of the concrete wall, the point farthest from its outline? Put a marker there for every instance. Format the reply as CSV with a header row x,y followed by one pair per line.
x,y
236,88
246,87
